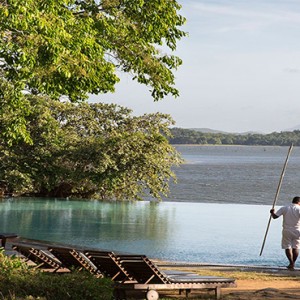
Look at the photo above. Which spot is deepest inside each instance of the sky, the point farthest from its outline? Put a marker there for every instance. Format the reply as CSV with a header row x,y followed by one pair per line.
x,y
240,72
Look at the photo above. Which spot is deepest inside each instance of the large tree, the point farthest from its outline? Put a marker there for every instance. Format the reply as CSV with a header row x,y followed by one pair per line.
x,y
89,150
70,48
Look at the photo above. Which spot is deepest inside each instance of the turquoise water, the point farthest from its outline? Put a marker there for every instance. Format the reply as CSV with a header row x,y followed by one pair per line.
x,y
217,213
194,232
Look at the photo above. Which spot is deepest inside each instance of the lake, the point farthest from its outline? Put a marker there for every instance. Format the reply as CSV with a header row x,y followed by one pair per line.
x,y
236,174
217,213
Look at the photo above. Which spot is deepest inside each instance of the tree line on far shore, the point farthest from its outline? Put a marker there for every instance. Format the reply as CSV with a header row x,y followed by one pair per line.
x,y
190,136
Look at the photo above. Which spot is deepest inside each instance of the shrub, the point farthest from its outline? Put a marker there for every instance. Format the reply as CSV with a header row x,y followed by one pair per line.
x,y
18,281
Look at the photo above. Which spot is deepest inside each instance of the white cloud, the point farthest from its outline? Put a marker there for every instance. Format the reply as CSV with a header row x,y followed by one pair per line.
x,y
243,16
261,9
292,70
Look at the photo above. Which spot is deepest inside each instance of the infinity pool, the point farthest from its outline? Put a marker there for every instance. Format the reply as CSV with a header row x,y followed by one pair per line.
x,y
177,231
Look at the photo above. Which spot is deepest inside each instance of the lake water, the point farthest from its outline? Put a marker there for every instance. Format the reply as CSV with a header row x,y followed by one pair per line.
x,y
217,213
236,174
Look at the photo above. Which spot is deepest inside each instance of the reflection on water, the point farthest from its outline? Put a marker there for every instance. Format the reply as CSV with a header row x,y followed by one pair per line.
x,y
195,232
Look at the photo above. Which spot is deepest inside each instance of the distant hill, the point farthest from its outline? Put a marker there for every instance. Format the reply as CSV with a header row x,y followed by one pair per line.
x,y
209,130
205,136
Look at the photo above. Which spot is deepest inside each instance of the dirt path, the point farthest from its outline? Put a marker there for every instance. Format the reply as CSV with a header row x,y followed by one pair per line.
x,y
258,290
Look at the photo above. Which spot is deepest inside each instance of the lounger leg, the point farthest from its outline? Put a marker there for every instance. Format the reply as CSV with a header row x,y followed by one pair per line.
x,y
3,242
119,294
218,293
187,291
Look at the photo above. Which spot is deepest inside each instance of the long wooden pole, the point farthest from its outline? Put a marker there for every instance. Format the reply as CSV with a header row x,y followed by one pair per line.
x,y
276,197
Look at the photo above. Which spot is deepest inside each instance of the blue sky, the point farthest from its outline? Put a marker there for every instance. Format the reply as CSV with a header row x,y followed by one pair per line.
x,y
240,72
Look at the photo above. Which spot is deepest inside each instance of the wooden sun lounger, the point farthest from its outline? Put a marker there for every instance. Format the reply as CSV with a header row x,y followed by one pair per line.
x,y
107,263
40,257
74,259
150,279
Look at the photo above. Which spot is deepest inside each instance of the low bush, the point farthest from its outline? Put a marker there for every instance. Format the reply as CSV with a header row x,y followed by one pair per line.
x,y
18,281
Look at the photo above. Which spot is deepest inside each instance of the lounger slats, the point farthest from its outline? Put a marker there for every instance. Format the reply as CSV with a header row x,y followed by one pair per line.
x,y
142,269
199,279
106,262
74,259
40,257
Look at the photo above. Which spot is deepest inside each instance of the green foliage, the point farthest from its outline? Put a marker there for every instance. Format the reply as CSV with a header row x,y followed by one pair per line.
x,y
18,281
13,112
189,136
89,150
77,286
70,48
11,266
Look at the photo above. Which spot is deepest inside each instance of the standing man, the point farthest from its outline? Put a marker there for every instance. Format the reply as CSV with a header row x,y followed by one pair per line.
x,y
290,230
